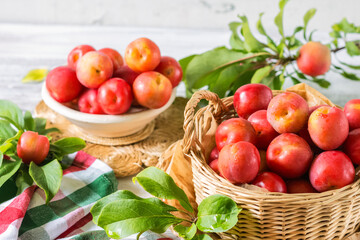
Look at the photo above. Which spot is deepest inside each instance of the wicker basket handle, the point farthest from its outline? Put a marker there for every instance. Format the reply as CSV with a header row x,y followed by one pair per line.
x,y
189,122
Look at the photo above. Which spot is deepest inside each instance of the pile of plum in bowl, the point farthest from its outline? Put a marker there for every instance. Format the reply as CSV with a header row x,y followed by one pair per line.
x,y
107,95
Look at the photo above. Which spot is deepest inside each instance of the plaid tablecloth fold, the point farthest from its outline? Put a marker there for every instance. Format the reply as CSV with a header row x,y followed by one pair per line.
x,y
68,214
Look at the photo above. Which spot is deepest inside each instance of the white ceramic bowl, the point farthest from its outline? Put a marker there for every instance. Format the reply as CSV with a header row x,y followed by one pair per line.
x,y
107,125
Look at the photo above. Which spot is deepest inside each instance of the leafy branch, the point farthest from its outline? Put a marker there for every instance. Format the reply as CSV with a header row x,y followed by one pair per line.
x,y
14,173
123,213
248,60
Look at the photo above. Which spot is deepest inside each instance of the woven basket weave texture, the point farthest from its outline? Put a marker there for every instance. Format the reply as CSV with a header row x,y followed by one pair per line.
x,y
328,215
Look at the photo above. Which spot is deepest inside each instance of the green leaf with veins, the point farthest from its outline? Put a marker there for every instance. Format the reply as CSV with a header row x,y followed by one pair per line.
x,y
29,121
9,145
6,131
8,169
235,41
202,237
70,144
260,74
201,66
243,79
184,64
47,177
186,233
10,112
161,185
23,179
121,195
270,42
279,17
40,124
217,213
225,78
251,43
125,217
270,81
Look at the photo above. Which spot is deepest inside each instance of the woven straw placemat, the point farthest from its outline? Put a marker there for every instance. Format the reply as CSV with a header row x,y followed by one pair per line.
x,y
125,155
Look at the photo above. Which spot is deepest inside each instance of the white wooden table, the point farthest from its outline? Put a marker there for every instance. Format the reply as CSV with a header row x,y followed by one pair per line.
x,y
25,47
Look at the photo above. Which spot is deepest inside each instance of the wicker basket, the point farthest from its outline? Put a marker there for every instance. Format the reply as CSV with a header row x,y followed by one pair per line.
x,y
328,215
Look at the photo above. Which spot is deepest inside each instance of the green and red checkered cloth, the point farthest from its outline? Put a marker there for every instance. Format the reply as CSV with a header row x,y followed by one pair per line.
x,y
67,216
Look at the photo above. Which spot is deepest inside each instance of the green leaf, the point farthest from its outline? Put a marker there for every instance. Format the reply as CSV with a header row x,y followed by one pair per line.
x,y
48,130
202,237
308,15
346,27
225,78
300,75
35,75
184,62
356,67
47,177
260,74
282,78
217,213
40,124
335,34
251,43
23,179
125,217
294,80
161,185
10,112
243,79
201,66
335,42
235,41
8,169
350,76
70,144
293,43
121,195
322,82
297,29
186,233
6,131
311,34
9,145
260,27
276,83
29,121
279,17
8,190
281,48
352,48
270,42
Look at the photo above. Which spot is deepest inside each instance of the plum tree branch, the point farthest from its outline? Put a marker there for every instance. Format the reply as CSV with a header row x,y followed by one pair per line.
x,y
341,48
